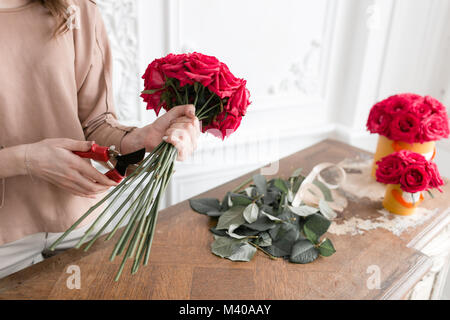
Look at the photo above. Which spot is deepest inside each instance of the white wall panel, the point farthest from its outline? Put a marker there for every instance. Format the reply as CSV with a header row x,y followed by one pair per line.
x,y
253,39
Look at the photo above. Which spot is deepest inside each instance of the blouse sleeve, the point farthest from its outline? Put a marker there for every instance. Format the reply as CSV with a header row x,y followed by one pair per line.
x,y
94,78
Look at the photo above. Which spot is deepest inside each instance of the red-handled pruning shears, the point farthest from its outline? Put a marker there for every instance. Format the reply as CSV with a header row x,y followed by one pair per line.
x,y
104,154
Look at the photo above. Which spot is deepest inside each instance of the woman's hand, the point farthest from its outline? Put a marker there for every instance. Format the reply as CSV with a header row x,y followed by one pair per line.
x,y
179,126
53,160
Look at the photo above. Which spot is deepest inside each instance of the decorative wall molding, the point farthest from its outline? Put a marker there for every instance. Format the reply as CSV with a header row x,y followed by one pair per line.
x,y
121,21
303,76
304,81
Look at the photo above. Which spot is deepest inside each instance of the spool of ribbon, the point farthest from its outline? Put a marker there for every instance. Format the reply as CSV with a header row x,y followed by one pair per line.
x,y
309,193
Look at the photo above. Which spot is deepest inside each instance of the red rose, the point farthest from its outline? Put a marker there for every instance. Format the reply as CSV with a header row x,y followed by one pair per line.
x,y
390,169
404,127
225,83
422,110
222,117
230,124
434,127
176,71
414,118
435,105
174,67
379,120
213,129
414,179
435,178
174,59
409,169
239,101
153,77
228,79
202,68
410,157
153,101
154,80
223,125
400,103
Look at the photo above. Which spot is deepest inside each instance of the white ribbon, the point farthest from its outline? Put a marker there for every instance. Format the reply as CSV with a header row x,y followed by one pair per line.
x,y
308,188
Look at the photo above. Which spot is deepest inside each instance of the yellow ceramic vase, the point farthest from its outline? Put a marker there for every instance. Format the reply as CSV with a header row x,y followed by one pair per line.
x,y
400,202
386,146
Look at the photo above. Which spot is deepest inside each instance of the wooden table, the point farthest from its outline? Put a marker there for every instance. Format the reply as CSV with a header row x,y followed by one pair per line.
x,y
183,267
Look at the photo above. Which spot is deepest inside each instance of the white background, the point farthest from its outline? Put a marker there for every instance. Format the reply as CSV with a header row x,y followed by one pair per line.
x,y
314,69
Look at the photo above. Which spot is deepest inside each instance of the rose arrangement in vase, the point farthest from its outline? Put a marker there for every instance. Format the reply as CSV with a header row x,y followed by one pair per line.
x,y
407,175
220,101
408,122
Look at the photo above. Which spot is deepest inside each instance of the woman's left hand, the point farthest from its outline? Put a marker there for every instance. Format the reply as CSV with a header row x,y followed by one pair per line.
x,y
179,126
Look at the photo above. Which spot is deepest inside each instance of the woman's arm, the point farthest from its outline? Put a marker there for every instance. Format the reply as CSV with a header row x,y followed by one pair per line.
x,y
53,160
179,126
12,161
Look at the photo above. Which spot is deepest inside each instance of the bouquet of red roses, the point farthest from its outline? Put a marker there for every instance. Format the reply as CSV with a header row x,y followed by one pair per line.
x,y
410,170
220,101
409,118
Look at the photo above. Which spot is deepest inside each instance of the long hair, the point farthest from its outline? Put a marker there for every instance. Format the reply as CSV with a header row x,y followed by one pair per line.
x,y
58,9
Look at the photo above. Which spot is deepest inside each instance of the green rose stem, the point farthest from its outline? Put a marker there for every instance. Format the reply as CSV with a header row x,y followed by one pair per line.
x,y
116,189
199,111
143,208
127,232
140,235
262,250
186,95
134,203
99,233
143,198
243,184
132,206
121,245
196,95
146,205
175,89
143,236
151,222
204,114
147,253
81,241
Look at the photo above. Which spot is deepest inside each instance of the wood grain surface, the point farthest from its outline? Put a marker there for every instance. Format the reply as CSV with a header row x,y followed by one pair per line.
x,y
183,267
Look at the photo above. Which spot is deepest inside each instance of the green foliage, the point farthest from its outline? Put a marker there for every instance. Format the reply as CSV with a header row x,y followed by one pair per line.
x,y
303,251
251,213
261,216
326,248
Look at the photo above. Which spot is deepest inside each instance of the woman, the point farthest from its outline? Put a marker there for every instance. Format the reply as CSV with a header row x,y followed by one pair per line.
x,y
56,98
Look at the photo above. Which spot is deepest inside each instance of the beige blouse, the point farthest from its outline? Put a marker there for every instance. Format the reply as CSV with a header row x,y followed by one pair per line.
x,y
51,88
